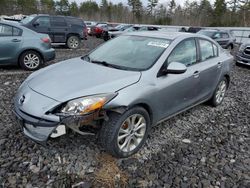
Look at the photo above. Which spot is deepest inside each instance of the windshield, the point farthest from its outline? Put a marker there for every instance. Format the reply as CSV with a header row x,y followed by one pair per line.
x,y
130,52
27,19
207,33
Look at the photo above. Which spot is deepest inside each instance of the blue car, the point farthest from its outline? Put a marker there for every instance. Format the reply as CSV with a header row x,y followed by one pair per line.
x,y
24,47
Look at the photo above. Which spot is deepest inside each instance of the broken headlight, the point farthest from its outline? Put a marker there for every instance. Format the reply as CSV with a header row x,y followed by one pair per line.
x,y
86,105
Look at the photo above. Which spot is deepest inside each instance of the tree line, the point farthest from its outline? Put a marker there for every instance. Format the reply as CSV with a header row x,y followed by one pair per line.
x,y
191,13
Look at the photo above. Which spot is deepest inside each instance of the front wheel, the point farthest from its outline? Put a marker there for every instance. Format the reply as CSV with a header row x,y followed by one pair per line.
x,y
219,93
124,134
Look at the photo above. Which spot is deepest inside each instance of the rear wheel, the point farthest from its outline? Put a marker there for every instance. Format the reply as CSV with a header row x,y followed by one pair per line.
x,y
124,134
219,93
73,42
30,60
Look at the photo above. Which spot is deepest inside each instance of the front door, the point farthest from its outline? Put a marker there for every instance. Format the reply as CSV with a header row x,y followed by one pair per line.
x,y
179,91
41,25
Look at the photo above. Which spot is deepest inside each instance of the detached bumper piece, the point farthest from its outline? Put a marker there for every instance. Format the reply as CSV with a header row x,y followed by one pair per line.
x,y
38,130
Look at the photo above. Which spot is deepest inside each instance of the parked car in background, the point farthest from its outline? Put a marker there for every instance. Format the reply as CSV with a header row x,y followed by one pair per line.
x,y
225,38
90,25
61,29
24,47
120,27
99,28
192,29
114,34
169,72
243,55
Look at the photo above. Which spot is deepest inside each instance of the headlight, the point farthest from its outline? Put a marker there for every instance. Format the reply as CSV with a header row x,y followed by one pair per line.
x,y
86,105
242,47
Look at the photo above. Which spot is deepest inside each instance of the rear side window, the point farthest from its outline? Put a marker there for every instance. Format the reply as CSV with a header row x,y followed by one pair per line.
x,y
17,32
75,21
185,53
6,30
216,53
43,21
58,22
207,50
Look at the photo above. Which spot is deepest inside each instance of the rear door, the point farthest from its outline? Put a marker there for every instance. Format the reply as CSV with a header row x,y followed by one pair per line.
x,y
59,29
10,43
210,68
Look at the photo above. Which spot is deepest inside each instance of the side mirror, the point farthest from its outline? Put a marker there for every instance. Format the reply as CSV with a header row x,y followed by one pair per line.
x,y
175,68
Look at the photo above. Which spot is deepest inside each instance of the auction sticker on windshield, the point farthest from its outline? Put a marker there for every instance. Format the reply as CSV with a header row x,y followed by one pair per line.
x,y
158,44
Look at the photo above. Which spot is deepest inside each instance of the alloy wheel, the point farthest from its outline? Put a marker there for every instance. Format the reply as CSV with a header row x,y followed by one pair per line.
x,y
73,43
221,91
131,133
31,61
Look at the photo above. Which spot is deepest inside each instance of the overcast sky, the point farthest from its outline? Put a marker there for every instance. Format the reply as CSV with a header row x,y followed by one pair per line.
x,y
144,1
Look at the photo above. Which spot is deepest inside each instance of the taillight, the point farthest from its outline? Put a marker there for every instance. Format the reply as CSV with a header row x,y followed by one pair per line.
x,y
46,40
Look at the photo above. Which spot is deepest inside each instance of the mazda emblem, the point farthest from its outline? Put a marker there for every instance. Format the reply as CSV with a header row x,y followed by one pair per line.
x,y
21,100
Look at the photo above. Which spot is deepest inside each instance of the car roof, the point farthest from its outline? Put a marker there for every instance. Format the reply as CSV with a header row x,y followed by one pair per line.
x,y
11,23
164,35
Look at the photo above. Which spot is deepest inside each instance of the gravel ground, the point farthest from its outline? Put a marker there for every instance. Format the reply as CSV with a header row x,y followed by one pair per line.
x,y
203,147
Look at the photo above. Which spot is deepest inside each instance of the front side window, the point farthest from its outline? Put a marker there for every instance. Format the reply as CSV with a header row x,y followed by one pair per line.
x,y
130,52
43,21
207,50
185,53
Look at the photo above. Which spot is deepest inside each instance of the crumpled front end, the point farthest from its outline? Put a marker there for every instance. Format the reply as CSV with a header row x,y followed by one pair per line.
x,y
40,117
30,109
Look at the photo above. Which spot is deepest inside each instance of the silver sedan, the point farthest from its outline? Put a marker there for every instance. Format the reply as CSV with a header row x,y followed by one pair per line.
x,y
123,88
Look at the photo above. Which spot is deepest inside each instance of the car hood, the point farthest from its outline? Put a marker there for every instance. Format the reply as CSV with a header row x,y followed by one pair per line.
x,y
76,78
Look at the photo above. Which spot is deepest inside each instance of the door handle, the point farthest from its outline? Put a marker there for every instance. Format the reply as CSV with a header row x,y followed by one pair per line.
x,y
196,74
219,64
16,40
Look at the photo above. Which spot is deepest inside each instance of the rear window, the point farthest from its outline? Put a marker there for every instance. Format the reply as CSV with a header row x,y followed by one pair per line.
x,y
58,21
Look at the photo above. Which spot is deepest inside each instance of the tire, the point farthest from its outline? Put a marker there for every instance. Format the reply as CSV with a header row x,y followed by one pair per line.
x,y
219,93
30,60
118,125
73,42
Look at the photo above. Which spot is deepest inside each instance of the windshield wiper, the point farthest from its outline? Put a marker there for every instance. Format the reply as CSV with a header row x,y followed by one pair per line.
x,y
104,63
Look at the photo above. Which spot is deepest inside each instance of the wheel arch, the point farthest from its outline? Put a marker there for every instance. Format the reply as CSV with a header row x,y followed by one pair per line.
x,y
122,109
30,49
72,34
228,79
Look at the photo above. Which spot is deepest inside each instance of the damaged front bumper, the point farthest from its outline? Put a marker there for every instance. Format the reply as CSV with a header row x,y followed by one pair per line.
x,y
40,130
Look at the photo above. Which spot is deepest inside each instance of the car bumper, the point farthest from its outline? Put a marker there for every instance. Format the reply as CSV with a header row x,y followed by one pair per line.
x,y
49,55
242,60
34,128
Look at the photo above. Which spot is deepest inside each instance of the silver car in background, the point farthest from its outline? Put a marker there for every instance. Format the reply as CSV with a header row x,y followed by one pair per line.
x,y
123,88
243,55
